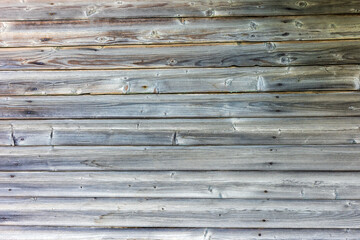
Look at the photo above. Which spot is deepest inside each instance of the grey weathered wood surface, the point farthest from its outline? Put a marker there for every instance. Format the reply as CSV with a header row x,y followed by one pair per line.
x,y
143,158
182,106
167,212
65,233
161,150
182,55
183,184
248,131
189,80
177,30
77,9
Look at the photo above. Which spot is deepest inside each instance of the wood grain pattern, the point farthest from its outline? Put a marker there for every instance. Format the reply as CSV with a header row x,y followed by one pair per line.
x,y
182,106
150,158
178,55
249,131
190,80
77,9
117,122
135,212
177,30
66,233
183,184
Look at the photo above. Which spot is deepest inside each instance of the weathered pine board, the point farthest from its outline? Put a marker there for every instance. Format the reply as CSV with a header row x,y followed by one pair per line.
x,y
66,233
248,131
290,53
135,212
190,80
149,158
183,184
177,30
78,9
181,106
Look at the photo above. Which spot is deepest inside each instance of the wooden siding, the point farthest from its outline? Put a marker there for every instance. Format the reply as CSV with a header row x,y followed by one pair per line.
x,y
174,119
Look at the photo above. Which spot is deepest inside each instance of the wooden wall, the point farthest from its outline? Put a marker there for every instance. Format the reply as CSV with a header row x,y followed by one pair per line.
x,y
176,119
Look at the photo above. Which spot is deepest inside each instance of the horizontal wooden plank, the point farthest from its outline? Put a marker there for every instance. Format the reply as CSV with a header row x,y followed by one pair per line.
x,y
225,213
183,55
182,106
77,9
190,80
183,184
248,131
177,30
268,158
66,233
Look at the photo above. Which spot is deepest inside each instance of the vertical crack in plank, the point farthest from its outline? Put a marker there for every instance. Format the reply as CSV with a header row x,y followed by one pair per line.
x,y
174,139
13,139
51,136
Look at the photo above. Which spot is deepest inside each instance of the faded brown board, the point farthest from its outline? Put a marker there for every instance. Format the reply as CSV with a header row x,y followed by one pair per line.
x,y
66,233
135,212
101,158
191,80
183,55
248,131
177,30
182,106
78,9
183,184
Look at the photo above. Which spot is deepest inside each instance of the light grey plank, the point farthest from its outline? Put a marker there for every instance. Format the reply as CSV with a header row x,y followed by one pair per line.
x,y
225,213
183,55
268,158
177,30
234,131
77,9
65,233
182,106
205,80
183,184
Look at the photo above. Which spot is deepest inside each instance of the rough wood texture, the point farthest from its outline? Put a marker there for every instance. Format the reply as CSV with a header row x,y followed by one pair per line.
x,y
78,9
135,212
183,55
95,158
116,120
182,132
183,184
186,106
64,233
191,80
177,30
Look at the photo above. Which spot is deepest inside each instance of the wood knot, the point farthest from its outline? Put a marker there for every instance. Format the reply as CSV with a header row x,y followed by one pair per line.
x,y
286,60
253,26
299,24
45,39
90,11
209,13
172,62
3,27
104,39
154,34
302,4
270,46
